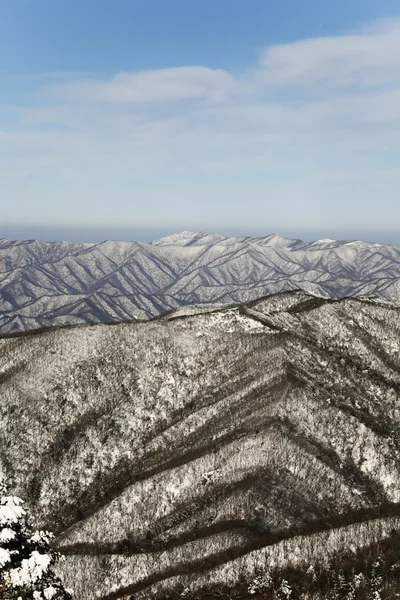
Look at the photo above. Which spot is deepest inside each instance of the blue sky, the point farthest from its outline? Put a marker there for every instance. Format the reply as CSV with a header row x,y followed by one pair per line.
x,y
131,118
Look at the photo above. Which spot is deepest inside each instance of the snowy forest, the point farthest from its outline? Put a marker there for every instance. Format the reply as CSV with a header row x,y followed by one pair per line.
x,y
250,451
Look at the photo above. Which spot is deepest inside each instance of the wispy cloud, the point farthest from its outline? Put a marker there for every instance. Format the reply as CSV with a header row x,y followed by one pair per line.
x,y
163,85
366,59
311,126
57,75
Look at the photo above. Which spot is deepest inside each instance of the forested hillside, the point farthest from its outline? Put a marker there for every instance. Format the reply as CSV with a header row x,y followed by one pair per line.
x,y
213,450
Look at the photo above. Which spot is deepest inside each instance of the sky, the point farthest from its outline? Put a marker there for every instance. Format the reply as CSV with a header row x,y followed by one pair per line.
x,y
133,119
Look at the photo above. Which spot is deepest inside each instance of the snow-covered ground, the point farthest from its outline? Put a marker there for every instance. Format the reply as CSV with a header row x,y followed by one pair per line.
x,y
205,434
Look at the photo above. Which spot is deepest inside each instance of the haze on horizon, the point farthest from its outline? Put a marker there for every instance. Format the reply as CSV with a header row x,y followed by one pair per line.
x,y
148,234
136,120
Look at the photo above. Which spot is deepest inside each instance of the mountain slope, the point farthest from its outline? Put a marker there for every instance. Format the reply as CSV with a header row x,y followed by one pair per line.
x,y
193,449
43,284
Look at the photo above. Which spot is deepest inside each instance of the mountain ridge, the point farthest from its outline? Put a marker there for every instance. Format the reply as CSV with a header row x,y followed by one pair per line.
x,y
52,283
196,447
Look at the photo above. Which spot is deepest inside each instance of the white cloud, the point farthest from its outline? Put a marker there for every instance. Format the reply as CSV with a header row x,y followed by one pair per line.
x,y
367,59
315,127
163,85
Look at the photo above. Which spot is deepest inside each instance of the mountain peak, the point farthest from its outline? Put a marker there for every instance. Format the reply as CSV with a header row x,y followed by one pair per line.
x,y
189,238
176,237
275,240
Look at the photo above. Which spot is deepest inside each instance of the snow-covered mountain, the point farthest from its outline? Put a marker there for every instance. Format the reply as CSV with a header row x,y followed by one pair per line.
x,y
58,283
210,449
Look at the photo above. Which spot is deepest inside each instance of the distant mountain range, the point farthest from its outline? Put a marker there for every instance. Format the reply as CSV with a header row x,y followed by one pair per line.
x,y
213,453
59,283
